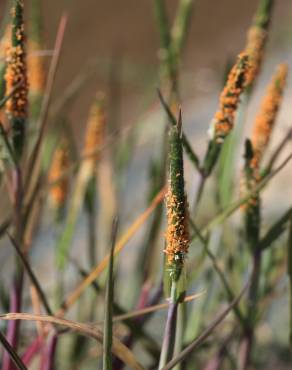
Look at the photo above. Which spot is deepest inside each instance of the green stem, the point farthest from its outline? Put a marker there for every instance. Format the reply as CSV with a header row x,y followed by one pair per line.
x,y
170,328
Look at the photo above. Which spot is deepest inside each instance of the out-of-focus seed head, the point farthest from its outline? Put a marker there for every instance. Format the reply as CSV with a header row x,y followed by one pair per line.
x,y
95,131
267,115
60,164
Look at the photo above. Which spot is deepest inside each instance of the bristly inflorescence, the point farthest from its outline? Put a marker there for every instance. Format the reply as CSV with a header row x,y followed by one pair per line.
x,y
95,131
256,40
177,234
223,121
16,78
266,117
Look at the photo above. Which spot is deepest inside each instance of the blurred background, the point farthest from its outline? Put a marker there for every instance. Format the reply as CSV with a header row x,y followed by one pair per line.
x,y
112,46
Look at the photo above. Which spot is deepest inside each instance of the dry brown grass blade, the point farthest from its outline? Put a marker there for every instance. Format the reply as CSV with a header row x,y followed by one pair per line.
x,y
73,297
153,308
118,348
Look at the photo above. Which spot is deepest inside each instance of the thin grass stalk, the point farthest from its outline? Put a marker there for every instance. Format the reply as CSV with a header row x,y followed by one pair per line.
x,y
180,330
168,70
181,27
90,206
229,292
14,356
31,275
108,320
170,327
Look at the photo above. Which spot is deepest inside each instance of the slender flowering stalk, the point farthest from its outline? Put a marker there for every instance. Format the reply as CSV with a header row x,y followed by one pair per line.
x,y
60,163
267,115
16,73
257,37
177,235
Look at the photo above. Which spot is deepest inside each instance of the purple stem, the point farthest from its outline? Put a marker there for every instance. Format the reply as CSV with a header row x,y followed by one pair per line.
x,y
48,361
34,348
170,329
13,326
17,285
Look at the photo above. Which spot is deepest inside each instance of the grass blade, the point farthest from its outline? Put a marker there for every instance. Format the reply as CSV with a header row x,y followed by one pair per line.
x,y
14,356
31,275
108,320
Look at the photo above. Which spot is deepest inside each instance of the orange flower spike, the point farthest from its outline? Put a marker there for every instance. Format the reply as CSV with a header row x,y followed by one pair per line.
x,y
267,115
177,234
256,40
223,121
60,163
